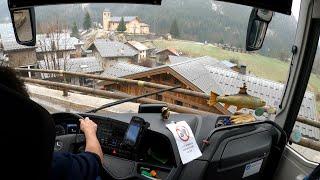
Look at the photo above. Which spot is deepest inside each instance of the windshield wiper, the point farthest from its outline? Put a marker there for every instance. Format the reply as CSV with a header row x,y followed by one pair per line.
x,y
131,99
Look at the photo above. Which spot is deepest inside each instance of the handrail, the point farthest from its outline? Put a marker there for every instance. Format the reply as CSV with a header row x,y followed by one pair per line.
x,y
119,80
109,94
146,84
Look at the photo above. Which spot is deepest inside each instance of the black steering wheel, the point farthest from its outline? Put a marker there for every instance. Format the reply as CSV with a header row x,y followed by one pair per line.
x,y
68,142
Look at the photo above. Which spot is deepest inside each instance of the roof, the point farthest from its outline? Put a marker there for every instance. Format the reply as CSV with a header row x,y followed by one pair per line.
x,y
8,39
173,51
270,91
144,24
137,45
12,45
63,41
193,71
113,48
228,63
121,69
178,59
207,60
83,64
125,18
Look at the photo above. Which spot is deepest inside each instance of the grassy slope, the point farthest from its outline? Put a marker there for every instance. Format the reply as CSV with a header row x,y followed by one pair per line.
x,y
262,66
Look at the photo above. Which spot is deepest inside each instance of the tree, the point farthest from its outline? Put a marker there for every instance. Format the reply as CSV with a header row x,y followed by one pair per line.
x,y
122,26
87,21
75,31
174,29
53,46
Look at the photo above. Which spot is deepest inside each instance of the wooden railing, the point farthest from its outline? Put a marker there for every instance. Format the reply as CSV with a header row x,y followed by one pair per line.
x,y
304,141
146,84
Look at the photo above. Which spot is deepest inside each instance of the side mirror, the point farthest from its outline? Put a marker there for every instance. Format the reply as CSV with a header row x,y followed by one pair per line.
x,y
23,21
257,28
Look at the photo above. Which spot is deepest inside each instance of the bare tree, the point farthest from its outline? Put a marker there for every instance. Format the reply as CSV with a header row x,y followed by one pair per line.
x,y
54,45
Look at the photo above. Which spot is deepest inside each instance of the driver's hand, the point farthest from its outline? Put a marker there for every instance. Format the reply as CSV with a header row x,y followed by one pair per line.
x,y
88,127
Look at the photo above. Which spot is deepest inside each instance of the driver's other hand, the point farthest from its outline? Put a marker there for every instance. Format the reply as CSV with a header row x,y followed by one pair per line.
x,y
88,126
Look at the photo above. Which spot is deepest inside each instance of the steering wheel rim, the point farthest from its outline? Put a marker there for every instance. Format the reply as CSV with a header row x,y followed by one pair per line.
x,y
67,142
66,114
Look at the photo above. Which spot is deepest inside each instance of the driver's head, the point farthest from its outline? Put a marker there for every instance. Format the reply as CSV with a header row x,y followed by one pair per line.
x,y
27,132
9,78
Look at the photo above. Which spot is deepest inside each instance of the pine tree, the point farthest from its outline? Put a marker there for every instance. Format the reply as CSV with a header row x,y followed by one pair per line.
x,y
75,31
122,26
87,21
174,29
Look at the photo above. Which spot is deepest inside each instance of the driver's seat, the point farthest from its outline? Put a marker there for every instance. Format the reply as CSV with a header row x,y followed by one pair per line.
x,y
27,137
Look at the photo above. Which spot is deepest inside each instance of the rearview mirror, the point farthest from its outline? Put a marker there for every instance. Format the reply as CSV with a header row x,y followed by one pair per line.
x,y
257,28
23,25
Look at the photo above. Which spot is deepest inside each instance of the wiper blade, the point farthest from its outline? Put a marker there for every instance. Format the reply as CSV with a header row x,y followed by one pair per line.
x,y
131,99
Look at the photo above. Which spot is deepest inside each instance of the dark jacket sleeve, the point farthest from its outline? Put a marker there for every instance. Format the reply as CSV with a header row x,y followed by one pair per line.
x,y
68,166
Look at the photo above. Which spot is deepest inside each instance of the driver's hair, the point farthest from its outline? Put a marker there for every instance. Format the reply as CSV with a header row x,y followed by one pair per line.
x,y
10,79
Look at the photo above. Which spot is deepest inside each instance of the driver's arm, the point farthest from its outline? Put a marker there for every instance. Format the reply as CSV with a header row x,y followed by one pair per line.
x,y
82,166
89,129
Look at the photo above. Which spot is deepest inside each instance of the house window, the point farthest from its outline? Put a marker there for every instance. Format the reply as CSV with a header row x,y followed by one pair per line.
x,y
179,103
159,97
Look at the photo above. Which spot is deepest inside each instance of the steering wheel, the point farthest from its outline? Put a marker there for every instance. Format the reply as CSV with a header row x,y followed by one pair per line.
x,y
68,142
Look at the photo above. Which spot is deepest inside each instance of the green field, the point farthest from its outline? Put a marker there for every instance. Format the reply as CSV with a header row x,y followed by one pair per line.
x,y
262,66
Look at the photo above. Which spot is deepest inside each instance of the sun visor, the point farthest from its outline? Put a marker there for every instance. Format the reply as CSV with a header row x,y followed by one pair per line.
x,y
281,6
31,3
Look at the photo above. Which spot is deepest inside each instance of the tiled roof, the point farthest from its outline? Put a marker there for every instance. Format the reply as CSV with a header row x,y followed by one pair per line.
x,y
114,49
207,60
125,18
268,90
173,51
121,69
137,45
84,65
8,39
195,72
178,59
228,63
62,41
12,45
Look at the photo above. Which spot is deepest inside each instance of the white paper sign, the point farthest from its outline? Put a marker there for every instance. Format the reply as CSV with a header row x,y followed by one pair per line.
x,y
187,145
252,168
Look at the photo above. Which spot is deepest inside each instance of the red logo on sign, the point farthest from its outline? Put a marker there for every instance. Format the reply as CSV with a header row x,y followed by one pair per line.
x,y
183,133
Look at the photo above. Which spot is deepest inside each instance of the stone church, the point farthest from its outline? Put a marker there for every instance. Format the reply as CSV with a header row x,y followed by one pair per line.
x,y
133,23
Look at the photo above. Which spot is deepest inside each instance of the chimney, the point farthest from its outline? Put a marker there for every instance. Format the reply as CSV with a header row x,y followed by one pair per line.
x,y
242,69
